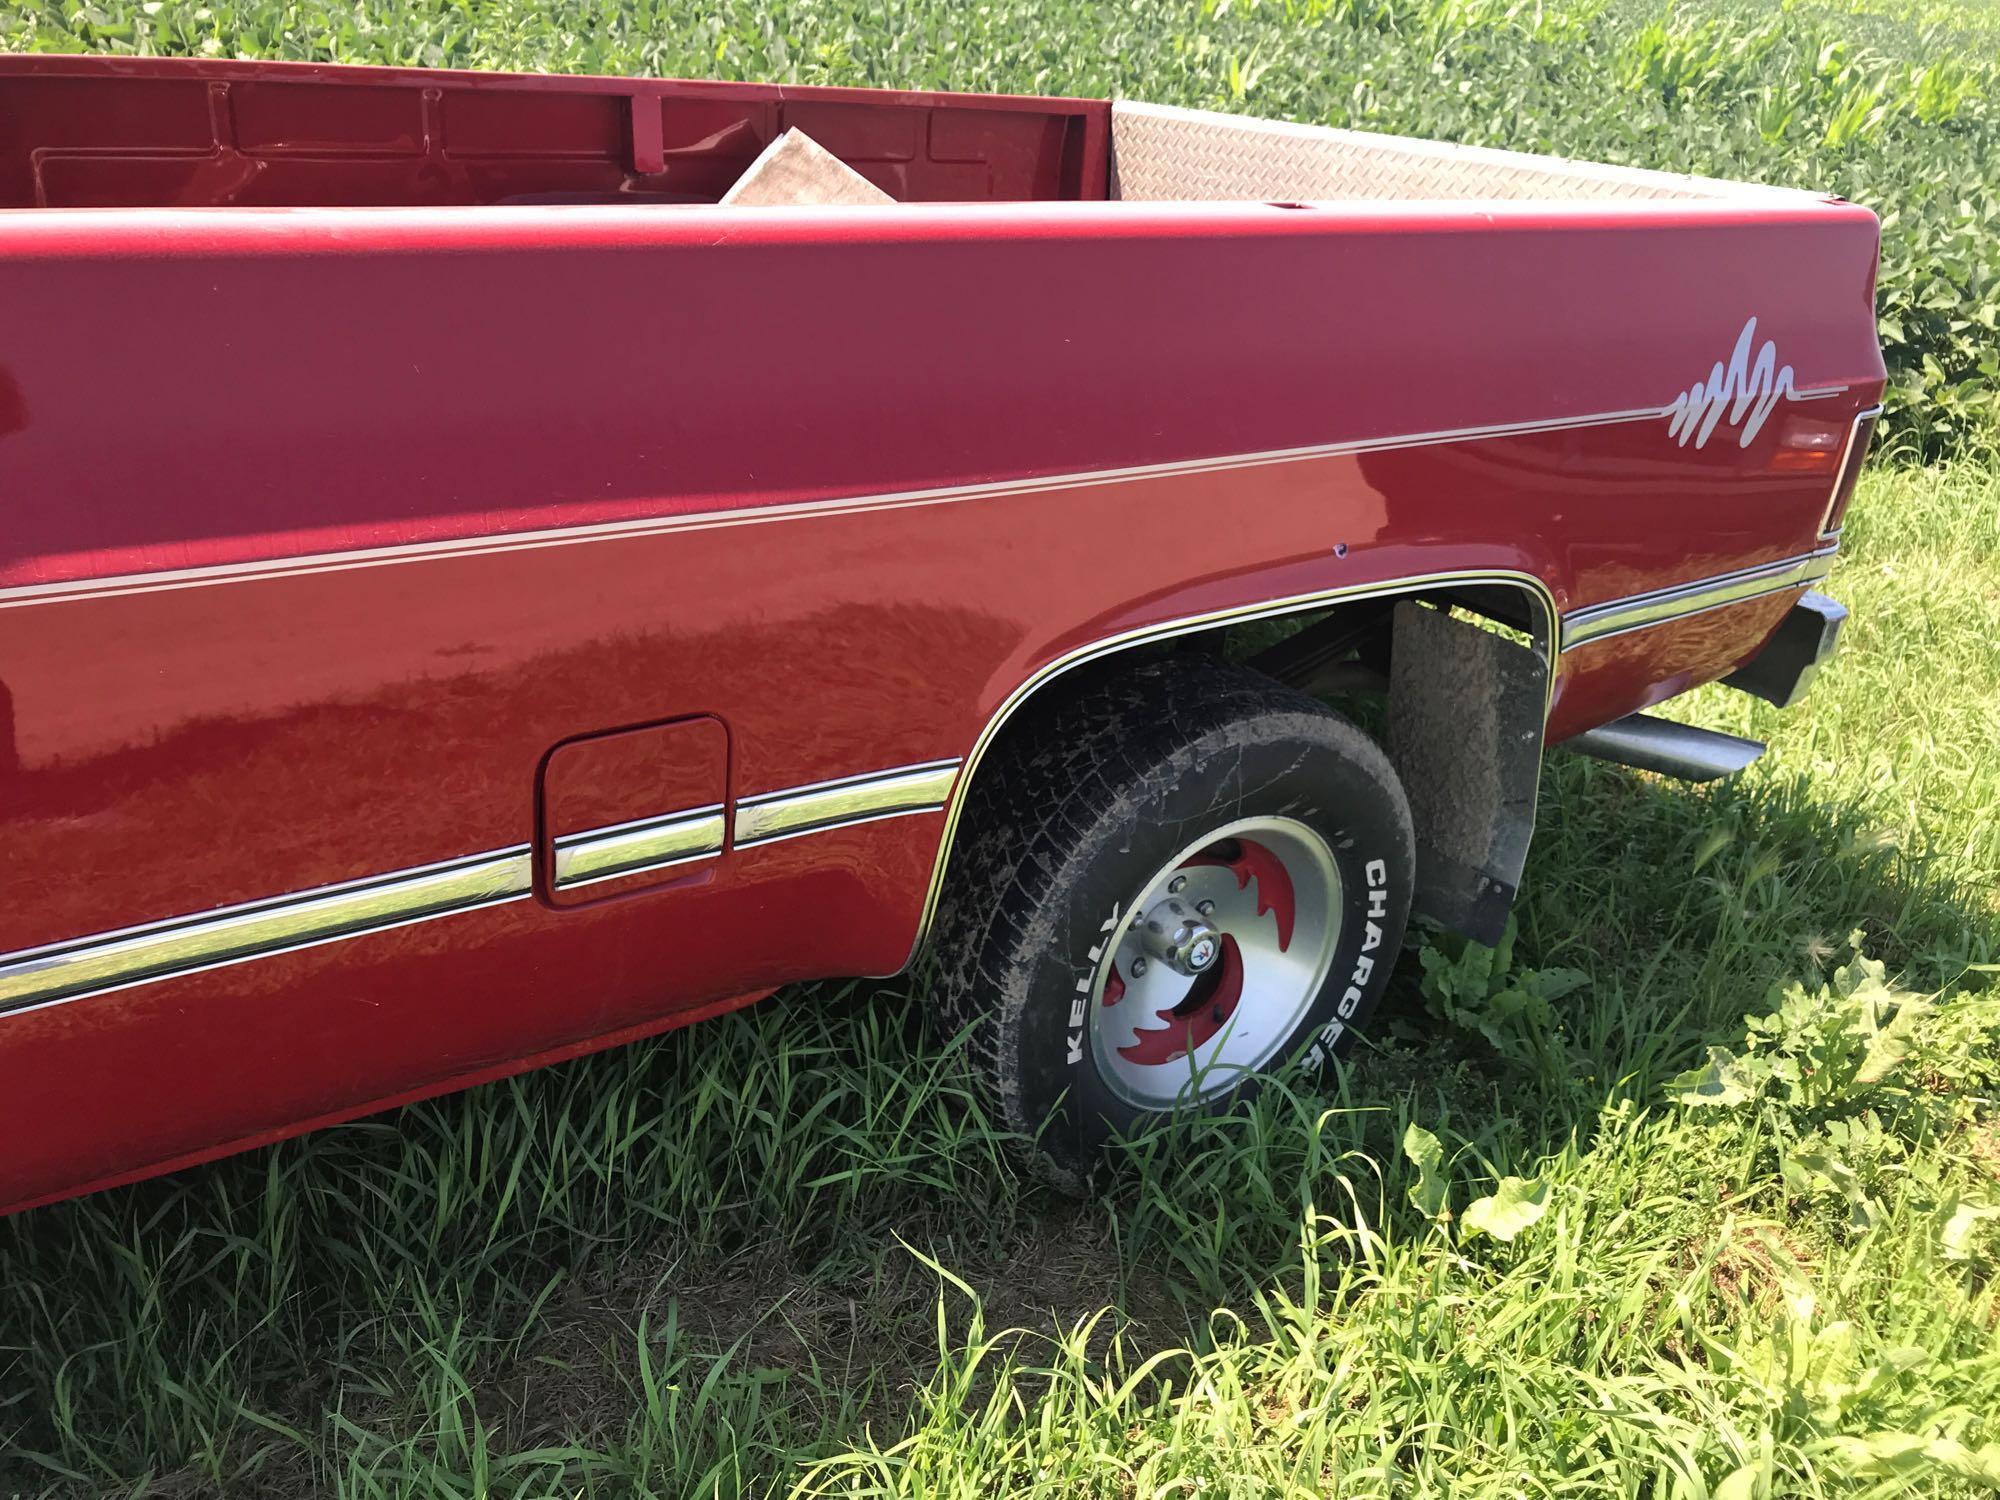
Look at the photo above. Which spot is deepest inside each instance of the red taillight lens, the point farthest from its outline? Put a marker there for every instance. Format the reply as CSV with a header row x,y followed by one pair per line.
x,y
1809,447
1850,469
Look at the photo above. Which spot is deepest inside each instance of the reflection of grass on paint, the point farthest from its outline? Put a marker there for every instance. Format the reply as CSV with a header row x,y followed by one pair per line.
x,y
786,1246
342,769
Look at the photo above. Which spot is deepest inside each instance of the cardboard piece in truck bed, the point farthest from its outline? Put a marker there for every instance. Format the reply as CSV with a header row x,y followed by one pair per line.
x,y
796,169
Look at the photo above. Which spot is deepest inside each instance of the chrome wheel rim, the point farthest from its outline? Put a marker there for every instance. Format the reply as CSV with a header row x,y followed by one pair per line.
x,y
1172,1025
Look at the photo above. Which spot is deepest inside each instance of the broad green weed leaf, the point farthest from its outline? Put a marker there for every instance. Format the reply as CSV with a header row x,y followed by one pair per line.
x,y
1911,1455
1961,1229
1432,1192
1722,1080
1553,984
1508,1209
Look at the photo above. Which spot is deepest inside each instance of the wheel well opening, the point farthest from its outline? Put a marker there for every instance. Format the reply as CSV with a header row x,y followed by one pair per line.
x,y
1340,650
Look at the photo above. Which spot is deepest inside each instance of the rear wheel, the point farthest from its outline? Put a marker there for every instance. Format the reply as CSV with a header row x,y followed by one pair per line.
x,y
1181,881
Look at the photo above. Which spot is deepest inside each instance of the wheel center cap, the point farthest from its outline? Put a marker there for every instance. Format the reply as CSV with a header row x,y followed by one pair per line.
x,y
1179,937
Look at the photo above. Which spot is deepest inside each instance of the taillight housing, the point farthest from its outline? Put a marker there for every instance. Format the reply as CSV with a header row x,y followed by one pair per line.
x,y
1850,469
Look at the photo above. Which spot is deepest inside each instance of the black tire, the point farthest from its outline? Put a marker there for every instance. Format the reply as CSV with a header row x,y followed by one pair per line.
x,y
1079,808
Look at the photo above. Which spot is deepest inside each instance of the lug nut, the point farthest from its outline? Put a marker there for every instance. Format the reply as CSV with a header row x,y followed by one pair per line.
x,y
1206,908
1176,885
1138,967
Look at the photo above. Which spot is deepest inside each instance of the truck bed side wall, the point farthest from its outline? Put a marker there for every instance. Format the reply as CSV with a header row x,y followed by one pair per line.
x,y
324,528
98,132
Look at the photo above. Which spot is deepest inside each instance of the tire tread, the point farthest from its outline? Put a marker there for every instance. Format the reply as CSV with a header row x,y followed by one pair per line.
x,y
1054,782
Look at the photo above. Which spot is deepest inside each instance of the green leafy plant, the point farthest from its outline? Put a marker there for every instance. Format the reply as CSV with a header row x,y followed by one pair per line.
x,y
1847,1080
1476,988
1514,1205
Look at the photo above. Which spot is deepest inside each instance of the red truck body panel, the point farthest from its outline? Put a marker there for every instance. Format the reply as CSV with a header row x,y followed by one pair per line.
x,y
327,526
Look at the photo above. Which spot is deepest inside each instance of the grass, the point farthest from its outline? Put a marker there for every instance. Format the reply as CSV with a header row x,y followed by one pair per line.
x,y
785,1249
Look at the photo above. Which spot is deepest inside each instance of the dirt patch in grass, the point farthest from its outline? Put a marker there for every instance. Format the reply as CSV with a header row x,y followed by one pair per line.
x,y
1756,1264
836,1333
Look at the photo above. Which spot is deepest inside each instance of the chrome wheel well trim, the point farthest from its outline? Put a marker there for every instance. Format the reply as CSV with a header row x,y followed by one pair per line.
x,y
1547,633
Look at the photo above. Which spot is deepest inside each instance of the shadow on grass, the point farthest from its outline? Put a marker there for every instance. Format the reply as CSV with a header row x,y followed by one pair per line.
x,y
1684,907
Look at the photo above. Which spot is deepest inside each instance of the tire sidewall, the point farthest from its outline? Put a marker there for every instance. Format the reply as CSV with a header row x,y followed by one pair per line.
x,y
1289,768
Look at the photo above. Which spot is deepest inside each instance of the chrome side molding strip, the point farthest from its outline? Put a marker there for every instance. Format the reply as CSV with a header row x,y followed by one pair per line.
x,y
631,848
105,961
278,924
1616,616
896,793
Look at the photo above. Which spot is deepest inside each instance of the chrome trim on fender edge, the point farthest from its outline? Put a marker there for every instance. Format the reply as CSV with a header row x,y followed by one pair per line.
x,y
1548,639
896,793
1597,622
104,961
634,848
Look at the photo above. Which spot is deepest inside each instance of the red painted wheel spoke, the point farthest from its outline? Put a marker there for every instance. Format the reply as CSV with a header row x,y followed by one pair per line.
x,y
1189,1026
1174,1022
1274,885
1114,986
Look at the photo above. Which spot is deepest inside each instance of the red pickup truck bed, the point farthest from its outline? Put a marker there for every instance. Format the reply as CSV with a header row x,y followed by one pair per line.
x,y
466,598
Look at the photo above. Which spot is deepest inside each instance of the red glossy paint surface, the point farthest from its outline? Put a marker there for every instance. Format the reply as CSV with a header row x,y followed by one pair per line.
x,y
640,772
279,396
428,1090
159,1071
